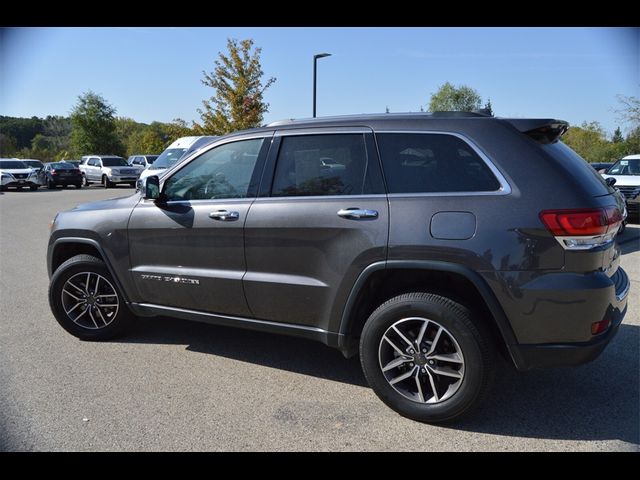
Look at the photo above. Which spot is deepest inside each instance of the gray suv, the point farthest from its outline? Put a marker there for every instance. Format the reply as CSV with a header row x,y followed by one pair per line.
x,y
429,245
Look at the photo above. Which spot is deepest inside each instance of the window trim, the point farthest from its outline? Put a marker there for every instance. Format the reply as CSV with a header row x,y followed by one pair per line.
x,y
260,161
505,187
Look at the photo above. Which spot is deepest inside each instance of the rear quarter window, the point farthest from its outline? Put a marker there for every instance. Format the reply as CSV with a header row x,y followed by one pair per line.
x,y
431,163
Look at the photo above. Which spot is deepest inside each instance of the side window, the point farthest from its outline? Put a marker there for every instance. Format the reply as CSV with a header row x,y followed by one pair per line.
x,y
327,164
425,162
222,172
94,162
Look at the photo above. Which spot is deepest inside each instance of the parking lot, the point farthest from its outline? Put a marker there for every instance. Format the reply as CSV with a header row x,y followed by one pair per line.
x,y
175,385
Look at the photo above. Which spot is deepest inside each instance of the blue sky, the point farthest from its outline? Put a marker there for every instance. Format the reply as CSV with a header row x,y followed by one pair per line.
x,y
154,73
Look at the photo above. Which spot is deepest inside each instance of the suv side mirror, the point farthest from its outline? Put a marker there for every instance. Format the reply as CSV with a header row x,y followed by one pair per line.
x,y
152,187
611,181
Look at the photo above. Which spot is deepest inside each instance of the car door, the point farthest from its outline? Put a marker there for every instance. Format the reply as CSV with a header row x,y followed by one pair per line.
x,y
42,175
94,170
320,221
187,251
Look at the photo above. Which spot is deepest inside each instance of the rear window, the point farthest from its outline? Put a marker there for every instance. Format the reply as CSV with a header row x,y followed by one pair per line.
x,y
578,167
427,163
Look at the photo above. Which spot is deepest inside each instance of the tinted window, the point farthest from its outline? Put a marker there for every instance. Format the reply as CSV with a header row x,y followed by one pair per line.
x,y
222,172
169,157
114,162
94,162
321,165
150,159
423,163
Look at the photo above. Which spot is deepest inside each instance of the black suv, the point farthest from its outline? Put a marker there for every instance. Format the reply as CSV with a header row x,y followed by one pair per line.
x,y
428,244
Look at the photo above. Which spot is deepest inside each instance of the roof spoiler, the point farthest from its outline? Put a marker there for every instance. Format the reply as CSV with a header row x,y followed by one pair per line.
x,y
542,130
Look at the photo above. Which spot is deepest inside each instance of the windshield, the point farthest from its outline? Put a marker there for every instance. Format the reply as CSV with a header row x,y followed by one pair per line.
x,y
151,158
625,167
11,164
33,163
114,162
169,157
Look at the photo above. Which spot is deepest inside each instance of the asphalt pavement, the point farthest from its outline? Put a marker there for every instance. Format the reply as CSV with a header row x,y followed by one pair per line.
x,y
176,385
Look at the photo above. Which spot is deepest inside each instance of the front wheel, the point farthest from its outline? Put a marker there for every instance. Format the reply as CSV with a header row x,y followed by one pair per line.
x,y
85,182
85,300
106,183
426,358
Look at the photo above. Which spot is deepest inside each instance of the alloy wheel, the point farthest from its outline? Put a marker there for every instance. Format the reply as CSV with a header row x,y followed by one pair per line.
x,y
90,300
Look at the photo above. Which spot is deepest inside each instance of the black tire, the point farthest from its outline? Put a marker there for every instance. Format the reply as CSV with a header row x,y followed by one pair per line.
x,y
78,185
472,337
3,188
80,264
106,183
50,185
85,182
33,187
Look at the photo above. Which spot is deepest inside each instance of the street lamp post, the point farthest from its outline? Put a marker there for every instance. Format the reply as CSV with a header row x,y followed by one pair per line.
x,y
315,63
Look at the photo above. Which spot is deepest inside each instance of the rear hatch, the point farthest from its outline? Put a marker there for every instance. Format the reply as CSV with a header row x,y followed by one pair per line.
x,y
587,234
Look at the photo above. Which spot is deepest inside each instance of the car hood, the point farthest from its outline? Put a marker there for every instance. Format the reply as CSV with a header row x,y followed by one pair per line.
x,y
624,180
110,204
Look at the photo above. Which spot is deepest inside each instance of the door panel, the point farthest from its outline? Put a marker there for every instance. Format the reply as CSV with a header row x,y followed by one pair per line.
x,y
187,250
302,256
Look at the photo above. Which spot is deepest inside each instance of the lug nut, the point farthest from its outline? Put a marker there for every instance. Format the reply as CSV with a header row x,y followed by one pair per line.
x,y
424,350
422,370
431,362
411,364
411,351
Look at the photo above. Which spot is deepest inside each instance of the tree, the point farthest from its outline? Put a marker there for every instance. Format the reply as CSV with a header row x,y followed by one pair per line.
x,y
629,112
176,129
94,126
617,136
147,141
590,142
488,107
8,145
238,101
450,98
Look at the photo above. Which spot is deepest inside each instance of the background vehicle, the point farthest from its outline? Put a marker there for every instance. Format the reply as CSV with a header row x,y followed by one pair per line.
x,y
433,250
626,172
142,161
16,174
37,165
60,173
75,163
601,167
108,170
178,150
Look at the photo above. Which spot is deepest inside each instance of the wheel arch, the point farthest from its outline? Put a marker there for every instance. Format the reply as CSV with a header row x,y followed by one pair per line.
x,y
64,248
355,313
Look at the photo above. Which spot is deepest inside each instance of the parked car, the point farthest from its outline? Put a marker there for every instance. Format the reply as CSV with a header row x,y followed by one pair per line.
x,y
601,167
431,252
15,173
178,150
60,173
142,161
626,173
37,165
108,170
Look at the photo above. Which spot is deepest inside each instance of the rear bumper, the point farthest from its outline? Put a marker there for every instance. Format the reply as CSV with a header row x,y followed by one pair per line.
x,y
533,356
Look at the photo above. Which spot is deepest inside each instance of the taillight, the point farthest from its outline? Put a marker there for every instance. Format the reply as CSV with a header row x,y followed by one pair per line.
x,y
582,229
53,172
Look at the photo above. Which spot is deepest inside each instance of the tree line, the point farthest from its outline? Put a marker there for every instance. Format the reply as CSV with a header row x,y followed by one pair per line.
x,y
238,103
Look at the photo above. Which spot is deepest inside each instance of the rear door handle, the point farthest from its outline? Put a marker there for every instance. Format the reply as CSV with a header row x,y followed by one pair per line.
x,y
357,213
224,215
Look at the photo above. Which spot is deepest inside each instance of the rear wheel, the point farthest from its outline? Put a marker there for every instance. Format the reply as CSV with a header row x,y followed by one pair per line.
x,y
85,182
85,300
50,185
425,358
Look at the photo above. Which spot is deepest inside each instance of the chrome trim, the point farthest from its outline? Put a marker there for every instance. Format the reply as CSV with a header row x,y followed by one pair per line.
x,y
320,197
625,291
247,321
329,130
505,187
606,239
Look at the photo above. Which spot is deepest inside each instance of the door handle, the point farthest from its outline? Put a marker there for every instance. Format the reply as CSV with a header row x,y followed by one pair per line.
x,y
357,213
224,215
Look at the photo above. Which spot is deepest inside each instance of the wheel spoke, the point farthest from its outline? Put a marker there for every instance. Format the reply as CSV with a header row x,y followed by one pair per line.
x,y
447,357
74,307
435,341
93,318
447,372
97,283
421,334
396,362
106,295
402,377
106,305
432,382
76,287
101,317
419,385
88,278
393,345
81,314
401,335
71,295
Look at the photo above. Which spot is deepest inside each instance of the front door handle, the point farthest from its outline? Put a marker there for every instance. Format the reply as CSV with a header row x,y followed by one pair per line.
x,y
357,213
224,215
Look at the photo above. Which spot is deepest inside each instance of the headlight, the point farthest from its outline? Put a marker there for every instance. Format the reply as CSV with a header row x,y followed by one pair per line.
x,y
33,174
108,170
6,175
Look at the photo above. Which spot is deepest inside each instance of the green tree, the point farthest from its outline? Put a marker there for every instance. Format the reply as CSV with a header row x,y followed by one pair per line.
x,y
94,128
146,141
617,136
488,107
176,129
450,98
8,144
238,101
589,141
